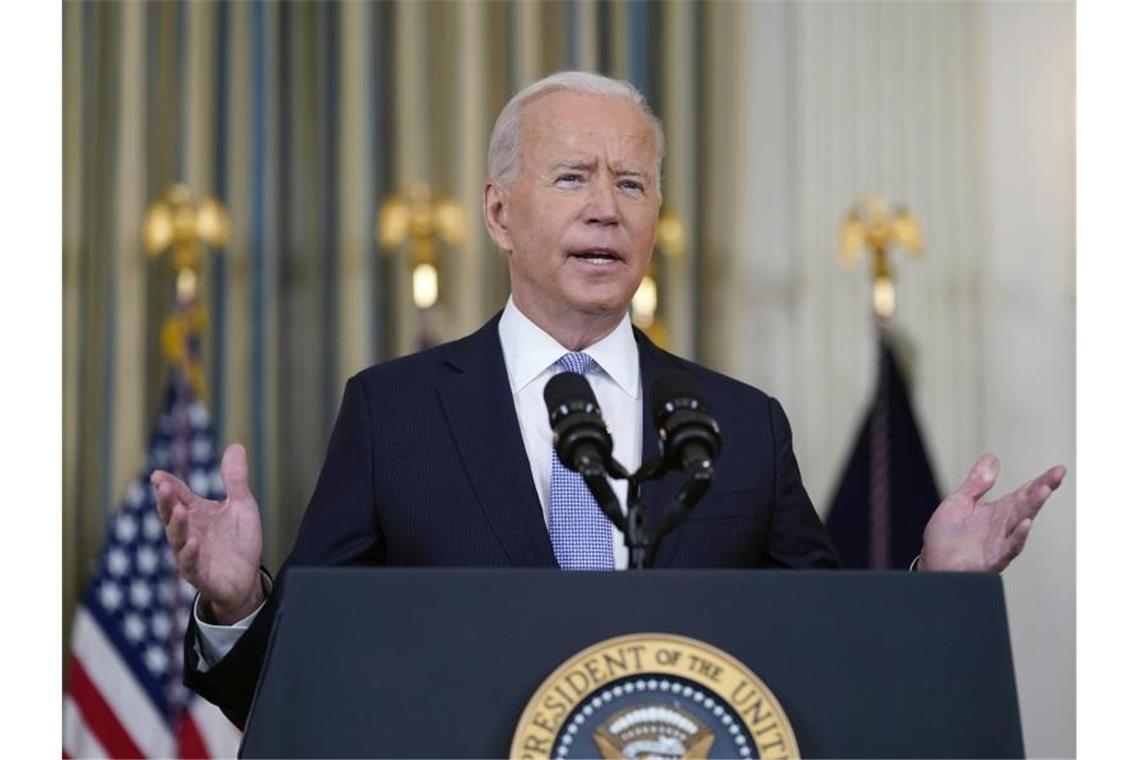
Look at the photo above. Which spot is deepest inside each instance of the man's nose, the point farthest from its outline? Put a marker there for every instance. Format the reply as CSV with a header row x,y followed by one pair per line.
x,y
603,207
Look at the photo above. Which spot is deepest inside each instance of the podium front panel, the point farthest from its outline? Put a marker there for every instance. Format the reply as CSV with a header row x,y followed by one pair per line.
x,y
441,662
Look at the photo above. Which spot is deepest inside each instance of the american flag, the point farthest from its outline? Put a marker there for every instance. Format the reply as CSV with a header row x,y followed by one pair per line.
x,y
124,695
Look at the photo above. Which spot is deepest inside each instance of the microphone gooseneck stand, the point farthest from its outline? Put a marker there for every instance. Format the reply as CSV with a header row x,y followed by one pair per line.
x,y
641,542
689,440
634,525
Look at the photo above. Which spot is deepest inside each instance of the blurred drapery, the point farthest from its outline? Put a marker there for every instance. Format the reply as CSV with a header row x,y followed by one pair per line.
x,y
301,117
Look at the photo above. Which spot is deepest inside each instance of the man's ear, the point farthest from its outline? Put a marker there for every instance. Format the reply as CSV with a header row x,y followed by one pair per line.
x,y
495,214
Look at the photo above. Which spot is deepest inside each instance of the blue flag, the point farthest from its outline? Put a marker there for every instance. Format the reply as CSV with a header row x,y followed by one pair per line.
x,y
887,493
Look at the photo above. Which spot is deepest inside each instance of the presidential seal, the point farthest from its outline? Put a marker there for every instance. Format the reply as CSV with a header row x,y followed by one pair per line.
x,y
653,695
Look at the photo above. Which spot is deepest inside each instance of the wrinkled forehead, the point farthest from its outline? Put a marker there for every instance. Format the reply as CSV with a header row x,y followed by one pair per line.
x,y
587,128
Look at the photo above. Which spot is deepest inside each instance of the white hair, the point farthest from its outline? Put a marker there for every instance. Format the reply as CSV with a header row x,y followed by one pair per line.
x,y
503,152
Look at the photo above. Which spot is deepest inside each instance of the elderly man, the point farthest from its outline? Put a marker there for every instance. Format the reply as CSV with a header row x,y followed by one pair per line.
x,y
445,457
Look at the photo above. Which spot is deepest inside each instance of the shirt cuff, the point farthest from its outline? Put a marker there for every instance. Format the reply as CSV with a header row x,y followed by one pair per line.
x,y
214,642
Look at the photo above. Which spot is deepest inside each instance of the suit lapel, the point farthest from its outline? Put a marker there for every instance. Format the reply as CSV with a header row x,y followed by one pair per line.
x,y
656,494
479,407
481,412
649,360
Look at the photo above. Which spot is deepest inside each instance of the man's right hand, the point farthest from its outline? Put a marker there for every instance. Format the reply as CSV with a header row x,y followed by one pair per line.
x,y
217,544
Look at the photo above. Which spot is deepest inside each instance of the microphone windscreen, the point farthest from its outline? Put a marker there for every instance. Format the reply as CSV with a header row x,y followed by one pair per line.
x,y
672,385
565,387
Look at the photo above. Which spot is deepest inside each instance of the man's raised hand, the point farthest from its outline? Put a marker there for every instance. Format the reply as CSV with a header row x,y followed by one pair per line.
x,y
217,544
966,533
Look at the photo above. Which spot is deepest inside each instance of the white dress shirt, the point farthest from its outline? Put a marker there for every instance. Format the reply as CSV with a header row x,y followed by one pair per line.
x,y
531,356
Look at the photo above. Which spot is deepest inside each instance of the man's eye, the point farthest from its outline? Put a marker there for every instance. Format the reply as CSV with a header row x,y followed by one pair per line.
x,y
569,178
631,184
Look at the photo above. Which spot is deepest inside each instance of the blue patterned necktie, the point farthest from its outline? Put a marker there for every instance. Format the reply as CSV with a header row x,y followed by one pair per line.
x,y
579,531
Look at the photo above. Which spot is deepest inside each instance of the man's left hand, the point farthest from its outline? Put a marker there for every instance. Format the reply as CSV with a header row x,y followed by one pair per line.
x,y
966,533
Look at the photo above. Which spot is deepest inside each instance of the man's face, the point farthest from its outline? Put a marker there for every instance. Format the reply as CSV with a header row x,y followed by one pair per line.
x,y
579,221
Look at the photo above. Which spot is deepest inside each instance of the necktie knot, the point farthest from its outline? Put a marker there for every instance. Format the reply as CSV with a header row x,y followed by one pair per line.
x,y
578,363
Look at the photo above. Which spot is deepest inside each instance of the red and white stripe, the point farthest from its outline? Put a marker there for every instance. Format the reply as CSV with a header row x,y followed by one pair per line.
x,y
78,738
106,712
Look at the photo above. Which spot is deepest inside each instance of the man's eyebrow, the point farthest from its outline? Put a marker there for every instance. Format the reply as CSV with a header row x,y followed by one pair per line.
x,y
577,165
631,173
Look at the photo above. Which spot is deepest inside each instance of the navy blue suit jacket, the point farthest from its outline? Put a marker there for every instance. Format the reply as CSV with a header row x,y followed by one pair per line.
x,y
426,466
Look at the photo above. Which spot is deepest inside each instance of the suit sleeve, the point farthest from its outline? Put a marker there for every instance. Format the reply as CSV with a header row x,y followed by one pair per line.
x,y
340,527
796,537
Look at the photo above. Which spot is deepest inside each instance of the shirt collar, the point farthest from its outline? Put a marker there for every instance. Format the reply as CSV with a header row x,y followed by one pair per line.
x,y
529,350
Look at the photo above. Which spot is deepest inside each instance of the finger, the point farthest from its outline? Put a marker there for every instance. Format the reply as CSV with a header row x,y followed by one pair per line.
x,y
179,490
235,473
1017,539
1054,476
1028,500
188,561
981,478
1051,478
164,500
178,529
168,496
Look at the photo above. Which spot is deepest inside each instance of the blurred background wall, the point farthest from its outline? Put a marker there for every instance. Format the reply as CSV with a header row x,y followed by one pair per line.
x,y
303,117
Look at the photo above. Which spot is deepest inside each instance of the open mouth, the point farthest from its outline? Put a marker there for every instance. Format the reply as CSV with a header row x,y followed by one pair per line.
x,y
599,256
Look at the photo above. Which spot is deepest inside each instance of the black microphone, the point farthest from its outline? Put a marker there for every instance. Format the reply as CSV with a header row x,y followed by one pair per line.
x,y
582,441
689,436
690,441
580,436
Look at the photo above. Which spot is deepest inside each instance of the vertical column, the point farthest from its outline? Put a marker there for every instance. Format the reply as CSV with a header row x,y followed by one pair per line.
x,y
966,218
925,302
198,116
265,136
498,87
619,39
555,36
130,270
198,112
441,79
164,40
329,84
679,116
469,303
767,270
806,397
722,182
412,133
355,241
97,263
73,129
299,413
585,23
526,43
241,158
